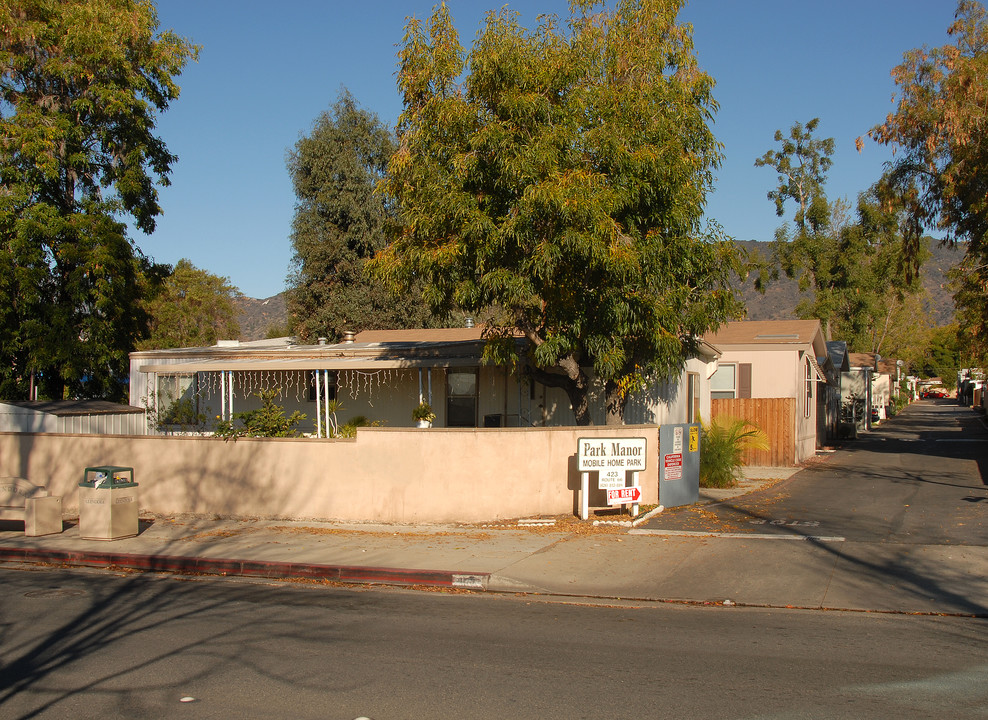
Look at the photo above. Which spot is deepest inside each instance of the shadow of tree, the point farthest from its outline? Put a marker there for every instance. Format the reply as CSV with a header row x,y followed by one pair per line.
x,y
913,483
128,644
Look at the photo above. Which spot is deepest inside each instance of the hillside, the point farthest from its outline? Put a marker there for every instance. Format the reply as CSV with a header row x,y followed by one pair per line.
x,y
781,297
258,317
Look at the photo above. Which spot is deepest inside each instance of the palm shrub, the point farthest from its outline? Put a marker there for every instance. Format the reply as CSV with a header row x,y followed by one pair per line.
x,y
722,447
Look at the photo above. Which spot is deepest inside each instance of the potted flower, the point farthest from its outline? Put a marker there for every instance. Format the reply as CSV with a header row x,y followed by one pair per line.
x,y
423,415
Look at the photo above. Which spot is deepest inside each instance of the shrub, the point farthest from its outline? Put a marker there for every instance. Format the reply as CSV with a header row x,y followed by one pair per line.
x,y
349,428
722,447
267,421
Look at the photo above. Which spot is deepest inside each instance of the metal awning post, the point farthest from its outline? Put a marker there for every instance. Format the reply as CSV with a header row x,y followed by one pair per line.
x,y
325,384
318,407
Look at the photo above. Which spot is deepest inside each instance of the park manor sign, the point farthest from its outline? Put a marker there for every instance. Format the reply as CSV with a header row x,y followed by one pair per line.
x,y
612,459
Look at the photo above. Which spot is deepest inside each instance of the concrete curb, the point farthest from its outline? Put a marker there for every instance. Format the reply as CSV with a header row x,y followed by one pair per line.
x,y
350,574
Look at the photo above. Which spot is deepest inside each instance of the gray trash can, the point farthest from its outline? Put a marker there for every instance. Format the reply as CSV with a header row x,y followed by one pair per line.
x,y
108,503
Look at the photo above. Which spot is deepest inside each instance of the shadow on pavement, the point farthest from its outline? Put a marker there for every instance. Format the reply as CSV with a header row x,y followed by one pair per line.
x,y
891,506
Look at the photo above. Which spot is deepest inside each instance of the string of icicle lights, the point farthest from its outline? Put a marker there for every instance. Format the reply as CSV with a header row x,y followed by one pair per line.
x,y
297,383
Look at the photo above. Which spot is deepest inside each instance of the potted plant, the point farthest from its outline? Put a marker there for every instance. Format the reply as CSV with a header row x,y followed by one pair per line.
x,y
423,415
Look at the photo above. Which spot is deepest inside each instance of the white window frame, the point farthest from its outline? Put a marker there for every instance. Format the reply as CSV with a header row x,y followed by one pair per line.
x,y
692,397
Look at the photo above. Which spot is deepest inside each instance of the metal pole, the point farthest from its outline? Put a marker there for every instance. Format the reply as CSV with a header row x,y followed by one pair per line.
x,y
325,384
318,406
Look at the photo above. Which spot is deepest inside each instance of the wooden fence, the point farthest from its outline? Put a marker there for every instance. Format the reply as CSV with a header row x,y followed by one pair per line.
x,y
776,417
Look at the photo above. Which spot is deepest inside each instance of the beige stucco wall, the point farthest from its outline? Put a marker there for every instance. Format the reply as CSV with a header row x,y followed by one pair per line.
x,y
383,475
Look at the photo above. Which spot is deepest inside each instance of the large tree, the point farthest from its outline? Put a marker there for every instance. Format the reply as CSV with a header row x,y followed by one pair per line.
x,y
553,181
339,225
941,166
871,297
191,308
81,83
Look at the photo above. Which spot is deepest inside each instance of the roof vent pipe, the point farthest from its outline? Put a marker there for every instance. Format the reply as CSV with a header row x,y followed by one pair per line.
x,y
469,322
322,341
349,336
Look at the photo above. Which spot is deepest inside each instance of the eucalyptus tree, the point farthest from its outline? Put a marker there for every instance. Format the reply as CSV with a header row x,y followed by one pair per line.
x,y
552,182
871,297
855,271
809,251
941,164
340,223
81,84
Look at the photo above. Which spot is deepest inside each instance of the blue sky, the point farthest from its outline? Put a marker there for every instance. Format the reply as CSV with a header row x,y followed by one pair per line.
x,y
266,71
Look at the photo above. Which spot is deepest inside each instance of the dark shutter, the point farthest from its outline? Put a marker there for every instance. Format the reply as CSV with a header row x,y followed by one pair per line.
x,y
744,380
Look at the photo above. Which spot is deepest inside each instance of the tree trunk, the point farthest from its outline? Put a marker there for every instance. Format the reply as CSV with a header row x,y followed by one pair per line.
x,y
614,402
574,383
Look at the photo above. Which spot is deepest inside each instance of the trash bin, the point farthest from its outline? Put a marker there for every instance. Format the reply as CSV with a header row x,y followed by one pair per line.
x,y
108,503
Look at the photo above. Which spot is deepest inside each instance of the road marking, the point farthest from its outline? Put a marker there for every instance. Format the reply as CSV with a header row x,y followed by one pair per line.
x,y
737,536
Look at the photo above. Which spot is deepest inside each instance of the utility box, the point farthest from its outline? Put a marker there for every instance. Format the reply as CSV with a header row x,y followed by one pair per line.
x,y
108,503
679,464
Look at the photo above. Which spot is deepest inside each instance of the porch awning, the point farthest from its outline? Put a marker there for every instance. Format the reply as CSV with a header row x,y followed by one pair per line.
x,y
821,376
362,364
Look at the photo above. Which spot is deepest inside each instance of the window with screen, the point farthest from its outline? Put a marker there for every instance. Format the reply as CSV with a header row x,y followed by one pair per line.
x,y
461,398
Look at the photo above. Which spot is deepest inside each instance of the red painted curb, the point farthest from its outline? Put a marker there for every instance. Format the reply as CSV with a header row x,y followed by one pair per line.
x,y
248,568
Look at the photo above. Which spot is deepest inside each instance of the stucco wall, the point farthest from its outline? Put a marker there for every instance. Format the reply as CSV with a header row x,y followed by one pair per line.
x,y
384,474
773,372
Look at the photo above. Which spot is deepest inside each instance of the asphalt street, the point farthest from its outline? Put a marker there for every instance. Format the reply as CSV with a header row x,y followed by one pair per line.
x,y
100,644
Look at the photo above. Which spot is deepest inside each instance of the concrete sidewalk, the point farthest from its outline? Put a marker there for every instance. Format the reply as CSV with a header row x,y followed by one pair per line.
x,y
568,558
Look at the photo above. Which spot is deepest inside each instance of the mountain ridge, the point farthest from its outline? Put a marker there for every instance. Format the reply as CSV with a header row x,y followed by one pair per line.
x,y
259,317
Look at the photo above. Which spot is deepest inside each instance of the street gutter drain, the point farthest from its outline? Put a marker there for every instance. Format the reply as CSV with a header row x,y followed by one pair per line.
x,y
471,582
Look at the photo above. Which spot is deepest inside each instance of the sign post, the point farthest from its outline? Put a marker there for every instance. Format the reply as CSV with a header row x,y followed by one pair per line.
x,y
612,459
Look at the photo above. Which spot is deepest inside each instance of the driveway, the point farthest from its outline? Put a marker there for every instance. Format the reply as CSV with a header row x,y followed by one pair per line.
x,y
919,478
